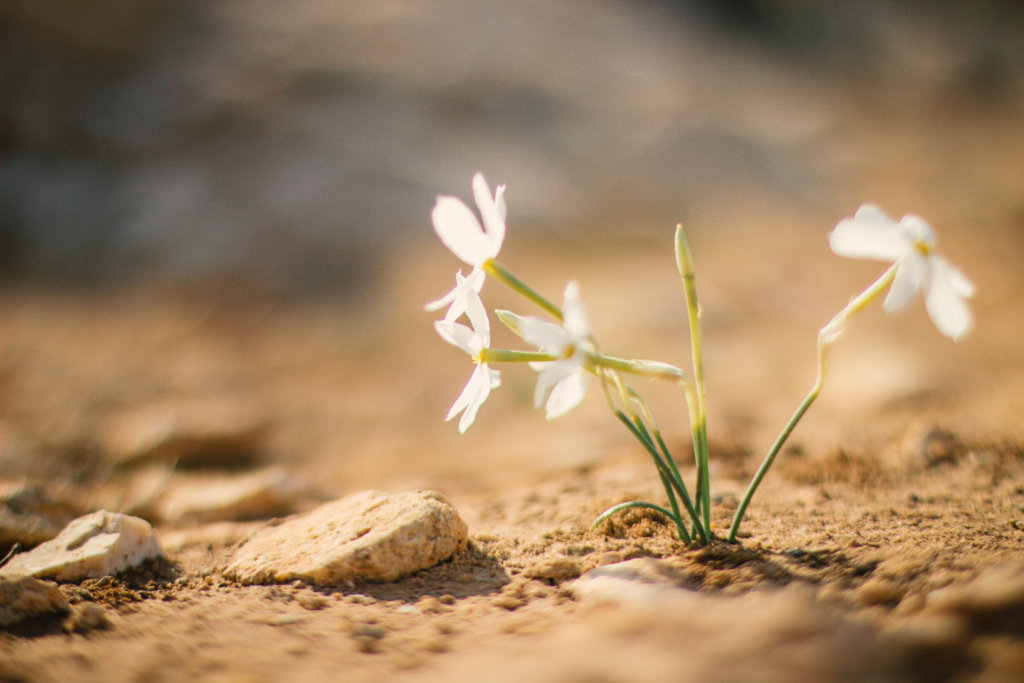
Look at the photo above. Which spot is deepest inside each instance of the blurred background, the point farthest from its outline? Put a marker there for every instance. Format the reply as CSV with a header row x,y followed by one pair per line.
x,y
164,163
284,146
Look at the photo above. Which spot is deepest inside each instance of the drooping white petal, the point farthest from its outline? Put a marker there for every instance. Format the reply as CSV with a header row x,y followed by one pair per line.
x,y
459,335
492,211
460,231
870,234
567,394
945,304
549,377
473,395
910,276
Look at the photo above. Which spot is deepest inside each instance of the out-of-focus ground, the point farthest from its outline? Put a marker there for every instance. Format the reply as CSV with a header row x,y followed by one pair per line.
x,y
226,328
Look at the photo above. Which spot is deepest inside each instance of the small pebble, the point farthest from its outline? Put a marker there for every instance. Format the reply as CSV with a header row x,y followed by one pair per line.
x,y
509,602
87,616
312,601
879,591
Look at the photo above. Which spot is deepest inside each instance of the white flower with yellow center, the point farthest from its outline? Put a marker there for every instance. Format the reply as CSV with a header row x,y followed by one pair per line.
x,y
476,245
910,244
562,383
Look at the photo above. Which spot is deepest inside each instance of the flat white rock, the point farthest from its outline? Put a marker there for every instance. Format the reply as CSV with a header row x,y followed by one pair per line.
x,y
99,544
369,535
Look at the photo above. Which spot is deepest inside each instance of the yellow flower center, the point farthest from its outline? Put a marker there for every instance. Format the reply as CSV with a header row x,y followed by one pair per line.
x,y
922,247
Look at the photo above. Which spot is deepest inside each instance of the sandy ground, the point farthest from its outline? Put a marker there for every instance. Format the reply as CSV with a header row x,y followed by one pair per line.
x,y
905,479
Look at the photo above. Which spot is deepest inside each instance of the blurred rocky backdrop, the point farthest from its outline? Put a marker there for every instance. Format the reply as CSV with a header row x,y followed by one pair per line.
x,y
285,143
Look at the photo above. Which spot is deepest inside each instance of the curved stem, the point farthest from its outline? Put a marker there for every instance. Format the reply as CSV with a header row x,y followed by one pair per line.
x,y
683,536
826,336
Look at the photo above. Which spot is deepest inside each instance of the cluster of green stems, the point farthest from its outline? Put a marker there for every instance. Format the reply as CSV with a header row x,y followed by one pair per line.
x,y
691,515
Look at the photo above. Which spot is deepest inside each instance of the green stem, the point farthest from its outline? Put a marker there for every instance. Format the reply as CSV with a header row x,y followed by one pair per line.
x,y
684,494
510,280
508,356
670,477
645,368
826,336
684,262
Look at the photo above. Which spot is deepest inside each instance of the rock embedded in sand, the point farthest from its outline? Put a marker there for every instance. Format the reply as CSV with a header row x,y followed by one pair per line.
x,y
369,535
23,597
99,544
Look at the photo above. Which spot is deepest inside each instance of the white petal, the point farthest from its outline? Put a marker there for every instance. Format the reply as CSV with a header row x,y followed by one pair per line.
x,y
945,304
957,280
869,234
547,337
574,314
567,394
465,396
477,315
448,298
492,210
549,377
469,399
460,231
910,276
459,335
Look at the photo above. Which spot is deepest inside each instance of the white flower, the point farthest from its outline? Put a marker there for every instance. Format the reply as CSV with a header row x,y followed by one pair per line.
x,y
462,233
472,341
562,383
871,234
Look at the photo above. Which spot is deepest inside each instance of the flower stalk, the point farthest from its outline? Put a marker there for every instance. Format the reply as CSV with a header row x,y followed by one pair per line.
x,y
697,403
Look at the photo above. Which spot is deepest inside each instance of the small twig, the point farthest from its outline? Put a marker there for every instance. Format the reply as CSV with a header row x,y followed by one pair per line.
x,y
10,553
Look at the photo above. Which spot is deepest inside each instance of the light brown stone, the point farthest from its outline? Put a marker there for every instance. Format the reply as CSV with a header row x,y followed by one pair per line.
x,y
99,544
368,535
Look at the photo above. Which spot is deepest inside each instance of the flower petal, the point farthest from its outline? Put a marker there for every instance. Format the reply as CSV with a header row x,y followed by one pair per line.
x,y
957,280
460,231
547,337
472,397
869,234
549,377
492,210
574,314
459,335
910,276
477,314
945,304
567,394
